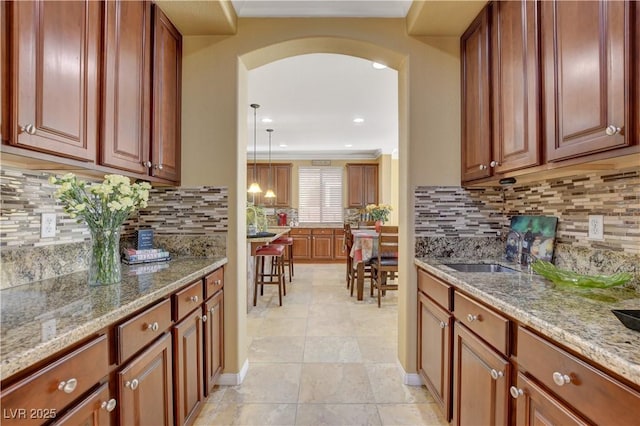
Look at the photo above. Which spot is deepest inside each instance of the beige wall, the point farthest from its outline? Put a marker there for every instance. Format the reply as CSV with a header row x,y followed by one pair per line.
x,y
215,107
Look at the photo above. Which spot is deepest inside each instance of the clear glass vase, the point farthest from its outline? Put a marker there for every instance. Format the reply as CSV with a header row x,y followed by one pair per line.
x,y
104,265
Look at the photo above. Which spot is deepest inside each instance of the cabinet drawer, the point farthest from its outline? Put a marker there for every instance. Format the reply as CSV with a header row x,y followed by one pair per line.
x,y
187,299
487,324
46,392
213,282
597,396
437,290
338,232
300,231
322,231
93,410
142,329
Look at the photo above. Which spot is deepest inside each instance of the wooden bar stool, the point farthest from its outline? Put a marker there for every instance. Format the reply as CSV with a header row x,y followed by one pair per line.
x,y
277,251
288,258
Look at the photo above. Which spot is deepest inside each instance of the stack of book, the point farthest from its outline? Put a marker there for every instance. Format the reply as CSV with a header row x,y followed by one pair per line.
x,y
136,256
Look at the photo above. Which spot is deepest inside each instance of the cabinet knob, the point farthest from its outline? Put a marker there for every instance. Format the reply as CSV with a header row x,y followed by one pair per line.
x,y
147,164
133,384
561,379
515,392
217,282
68,386
212,310
443,324
495,374
29,129
612,130
153,326
204,318
109,405
194,299
494,163
158,166
472,318
483,167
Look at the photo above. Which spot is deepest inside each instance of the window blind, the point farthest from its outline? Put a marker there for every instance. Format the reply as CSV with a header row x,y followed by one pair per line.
x,y
320,194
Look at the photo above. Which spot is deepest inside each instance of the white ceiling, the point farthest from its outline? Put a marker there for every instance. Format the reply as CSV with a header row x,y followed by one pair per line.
x,y
313,99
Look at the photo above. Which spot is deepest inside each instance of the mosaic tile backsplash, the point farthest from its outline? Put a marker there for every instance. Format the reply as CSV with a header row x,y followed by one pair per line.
x,y
187,221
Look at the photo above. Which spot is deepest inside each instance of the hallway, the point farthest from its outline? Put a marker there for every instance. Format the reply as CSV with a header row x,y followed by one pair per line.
x,y
321,359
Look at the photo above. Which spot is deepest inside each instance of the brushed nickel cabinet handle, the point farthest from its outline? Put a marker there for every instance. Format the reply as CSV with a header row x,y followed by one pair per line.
x,y
109,405
515,392
68,386
133,384
29,129
612,130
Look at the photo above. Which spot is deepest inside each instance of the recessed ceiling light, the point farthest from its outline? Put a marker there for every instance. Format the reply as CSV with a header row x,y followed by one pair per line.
x,y
358,120
348,145
283,145
267,120
378,65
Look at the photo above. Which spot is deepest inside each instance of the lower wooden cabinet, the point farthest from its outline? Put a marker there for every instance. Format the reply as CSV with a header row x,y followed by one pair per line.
x,y
318,244
322,244
434,351
480,381
94,410
213,340
145,386
536,406
301,243
189,364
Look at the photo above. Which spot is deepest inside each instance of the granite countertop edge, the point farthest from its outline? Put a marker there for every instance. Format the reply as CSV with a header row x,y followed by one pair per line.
x,y
603,353
18,361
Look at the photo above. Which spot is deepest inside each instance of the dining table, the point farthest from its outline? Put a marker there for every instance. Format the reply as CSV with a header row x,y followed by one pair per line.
x,y
365,248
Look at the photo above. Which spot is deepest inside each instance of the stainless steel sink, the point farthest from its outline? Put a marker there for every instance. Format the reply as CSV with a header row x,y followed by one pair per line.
x,y
479,267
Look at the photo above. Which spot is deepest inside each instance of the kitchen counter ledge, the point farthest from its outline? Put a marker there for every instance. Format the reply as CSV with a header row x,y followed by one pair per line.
x,y
569,316
42,318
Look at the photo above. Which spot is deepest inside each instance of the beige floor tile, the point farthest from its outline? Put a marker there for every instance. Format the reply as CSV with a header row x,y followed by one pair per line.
x,y
330,326
254,324
288,310
411,414
282,327
329,294
337,415
277,349
250,414
378,348
267,383
332,349
387,385
334,383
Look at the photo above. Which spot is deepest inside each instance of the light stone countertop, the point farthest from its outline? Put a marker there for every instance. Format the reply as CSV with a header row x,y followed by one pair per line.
x,y
41,318
277,230
579,319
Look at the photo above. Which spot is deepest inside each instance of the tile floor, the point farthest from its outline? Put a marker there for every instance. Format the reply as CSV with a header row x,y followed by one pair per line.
x,y
321,359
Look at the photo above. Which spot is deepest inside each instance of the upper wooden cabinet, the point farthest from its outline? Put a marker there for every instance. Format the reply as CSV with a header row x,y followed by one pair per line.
x,y
166,96
515,86
280,183
127,84
476,113
53,68
586,64
362,181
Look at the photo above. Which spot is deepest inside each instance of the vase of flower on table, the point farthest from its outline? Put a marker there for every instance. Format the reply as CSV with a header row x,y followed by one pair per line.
x,y
103,207
378,213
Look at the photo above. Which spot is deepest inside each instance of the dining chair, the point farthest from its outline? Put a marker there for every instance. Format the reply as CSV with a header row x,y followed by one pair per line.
x,y
348,243
387,261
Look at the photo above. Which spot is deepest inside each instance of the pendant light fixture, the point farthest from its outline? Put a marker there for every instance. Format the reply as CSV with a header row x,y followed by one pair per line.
x,y
269,193
254,188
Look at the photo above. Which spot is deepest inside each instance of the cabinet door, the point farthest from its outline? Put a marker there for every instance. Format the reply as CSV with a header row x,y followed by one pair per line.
x,y
339,251
585,62
189,375
535,406
145,387
476,115
434,351
166,104
301,247
370,184
515,90
355,182
480,381
94,410
54,49
214,339
322,247
282,184
127,79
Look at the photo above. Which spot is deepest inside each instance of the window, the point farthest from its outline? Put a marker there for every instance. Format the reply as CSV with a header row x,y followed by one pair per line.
x,y
320,194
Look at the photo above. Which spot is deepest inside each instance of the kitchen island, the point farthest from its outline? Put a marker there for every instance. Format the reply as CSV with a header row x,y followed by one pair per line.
x,y
539,344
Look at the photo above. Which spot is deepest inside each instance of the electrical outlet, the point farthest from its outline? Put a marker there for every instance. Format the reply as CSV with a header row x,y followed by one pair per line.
x,y
48,329
48,225
596,227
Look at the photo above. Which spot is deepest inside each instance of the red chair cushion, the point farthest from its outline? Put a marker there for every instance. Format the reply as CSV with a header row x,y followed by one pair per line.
x,y
270,250
284,240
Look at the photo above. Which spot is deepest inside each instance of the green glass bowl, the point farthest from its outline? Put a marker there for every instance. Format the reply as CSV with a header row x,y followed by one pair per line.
x,y
569,278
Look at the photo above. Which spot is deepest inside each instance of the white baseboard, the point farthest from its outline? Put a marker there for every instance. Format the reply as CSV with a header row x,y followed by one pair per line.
x,y
410,379
234,379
